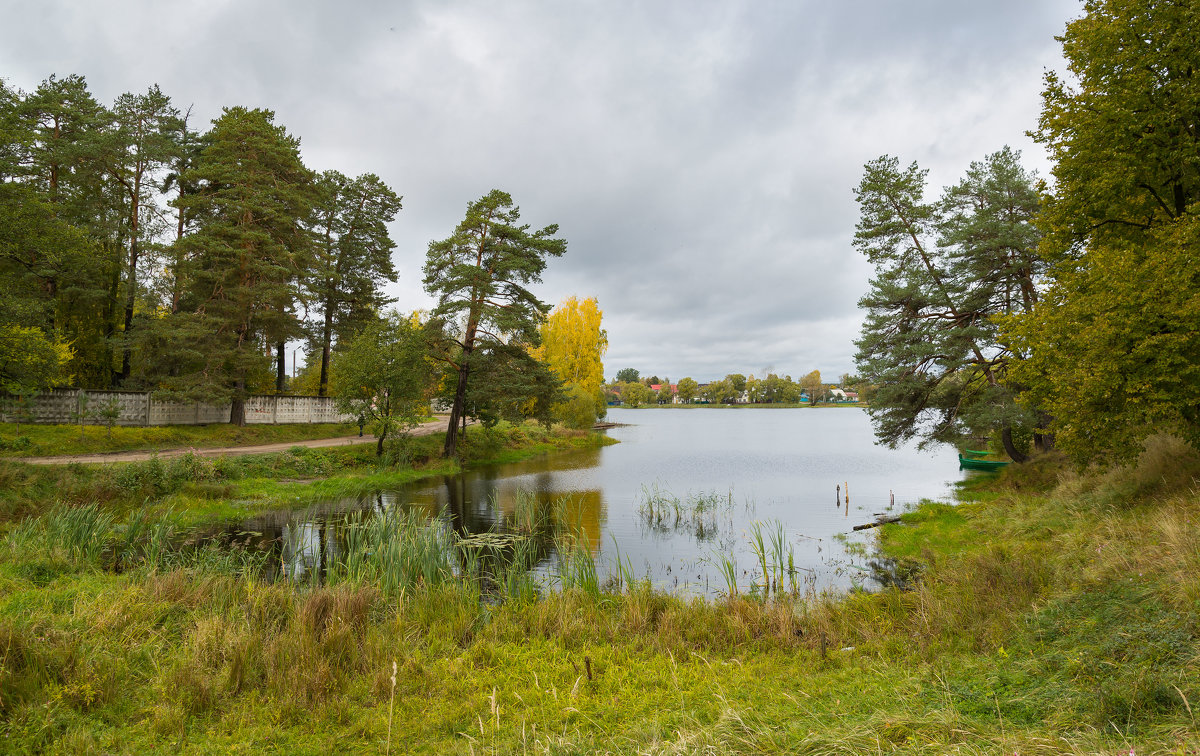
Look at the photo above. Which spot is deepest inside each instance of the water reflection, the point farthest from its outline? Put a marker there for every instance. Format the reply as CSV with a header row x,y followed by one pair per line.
x,y
307,549
503,524
675,501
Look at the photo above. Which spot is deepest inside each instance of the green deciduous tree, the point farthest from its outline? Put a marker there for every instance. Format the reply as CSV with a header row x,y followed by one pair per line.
x,y
1113,350
385,377
38,253
30,360
508,383
628,375
1121,126
717,392
687,390
772,389
635,394
665,394
479,276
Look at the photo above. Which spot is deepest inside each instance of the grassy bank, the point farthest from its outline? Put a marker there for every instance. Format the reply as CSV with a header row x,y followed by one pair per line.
x,y
197,490
1049,613
51,440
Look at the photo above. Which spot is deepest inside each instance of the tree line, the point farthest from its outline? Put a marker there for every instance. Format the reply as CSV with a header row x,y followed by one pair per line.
x,y
631,389
143,253
1051,313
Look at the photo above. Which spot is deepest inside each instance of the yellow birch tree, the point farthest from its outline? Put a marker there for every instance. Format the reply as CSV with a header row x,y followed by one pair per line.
x,y
573,346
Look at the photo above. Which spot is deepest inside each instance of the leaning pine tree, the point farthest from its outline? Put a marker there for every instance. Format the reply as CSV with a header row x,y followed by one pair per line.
x,y
944,271
479,276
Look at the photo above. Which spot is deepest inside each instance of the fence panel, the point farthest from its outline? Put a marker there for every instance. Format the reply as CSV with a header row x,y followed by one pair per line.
x,y
138,408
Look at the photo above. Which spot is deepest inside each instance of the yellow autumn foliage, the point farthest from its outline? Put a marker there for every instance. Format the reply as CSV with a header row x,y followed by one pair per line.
x,y
573,346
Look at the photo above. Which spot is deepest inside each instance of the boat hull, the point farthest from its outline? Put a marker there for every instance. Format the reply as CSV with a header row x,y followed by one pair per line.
x,y
969,463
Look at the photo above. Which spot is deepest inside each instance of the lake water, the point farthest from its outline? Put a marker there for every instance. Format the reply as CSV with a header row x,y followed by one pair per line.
x,y
680,497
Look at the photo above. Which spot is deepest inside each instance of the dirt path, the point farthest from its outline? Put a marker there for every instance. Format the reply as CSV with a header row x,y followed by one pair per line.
x,y
437,425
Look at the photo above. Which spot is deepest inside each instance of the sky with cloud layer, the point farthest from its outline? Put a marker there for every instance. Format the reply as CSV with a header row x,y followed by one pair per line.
x,y
698,156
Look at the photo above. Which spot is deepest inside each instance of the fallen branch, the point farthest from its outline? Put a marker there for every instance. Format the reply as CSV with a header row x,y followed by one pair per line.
x,y
877,523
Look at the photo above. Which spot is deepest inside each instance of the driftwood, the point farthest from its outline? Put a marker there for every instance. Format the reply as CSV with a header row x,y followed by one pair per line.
x,y
877,523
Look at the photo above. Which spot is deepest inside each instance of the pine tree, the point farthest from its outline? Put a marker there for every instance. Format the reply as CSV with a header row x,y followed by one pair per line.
x,y
243,260
352,258
479,276
943,272
144,144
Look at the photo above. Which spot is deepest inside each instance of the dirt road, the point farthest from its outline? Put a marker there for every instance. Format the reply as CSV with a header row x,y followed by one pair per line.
x,y
437,425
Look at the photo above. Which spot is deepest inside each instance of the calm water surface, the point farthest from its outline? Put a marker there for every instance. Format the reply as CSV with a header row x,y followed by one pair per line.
x,y
682,489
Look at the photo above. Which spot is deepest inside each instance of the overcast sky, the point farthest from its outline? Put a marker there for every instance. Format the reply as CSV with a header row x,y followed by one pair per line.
x,y
699,157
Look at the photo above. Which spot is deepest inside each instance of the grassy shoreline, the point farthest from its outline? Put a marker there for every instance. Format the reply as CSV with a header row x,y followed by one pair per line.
x,y
198,490
1051,612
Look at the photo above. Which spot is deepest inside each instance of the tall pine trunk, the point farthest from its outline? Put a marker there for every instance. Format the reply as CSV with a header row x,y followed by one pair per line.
x,y
326,339
131,280
450,448
237,405
280,367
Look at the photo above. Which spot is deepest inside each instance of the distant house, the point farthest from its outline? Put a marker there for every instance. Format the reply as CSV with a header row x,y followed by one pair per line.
x,y
673,387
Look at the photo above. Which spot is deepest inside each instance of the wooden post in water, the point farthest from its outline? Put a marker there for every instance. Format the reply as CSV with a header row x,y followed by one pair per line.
x,y
847,498
891,498
837,499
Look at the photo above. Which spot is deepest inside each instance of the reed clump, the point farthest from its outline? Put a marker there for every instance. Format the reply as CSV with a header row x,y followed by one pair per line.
x,y
704,515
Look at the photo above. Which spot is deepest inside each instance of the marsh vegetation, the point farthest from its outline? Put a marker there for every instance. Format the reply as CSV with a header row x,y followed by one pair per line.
x,y
1051,612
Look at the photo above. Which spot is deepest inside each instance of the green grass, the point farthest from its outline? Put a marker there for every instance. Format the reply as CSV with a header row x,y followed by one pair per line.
x,y
1052,614
199,490
55,440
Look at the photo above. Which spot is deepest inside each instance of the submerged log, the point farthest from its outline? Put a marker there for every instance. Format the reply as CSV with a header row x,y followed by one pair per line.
x,y
877,523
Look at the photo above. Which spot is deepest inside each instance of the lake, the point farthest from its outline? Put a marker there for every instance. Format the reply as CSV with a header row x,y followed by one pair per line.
x,y
683,499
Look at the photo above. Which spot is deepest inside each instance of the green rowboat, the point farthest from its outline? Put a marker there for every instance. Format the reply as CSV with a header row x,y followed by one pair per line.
x,y
970,463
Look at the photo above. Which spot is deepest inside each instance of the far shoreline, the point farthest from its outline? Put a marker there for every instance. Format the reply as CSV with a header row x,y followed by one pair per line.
x,y
772,405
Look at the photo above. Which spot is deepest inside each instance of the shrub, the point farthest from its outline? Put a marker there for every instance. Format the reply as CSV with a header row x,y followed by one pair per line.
x,y
578,408
20,443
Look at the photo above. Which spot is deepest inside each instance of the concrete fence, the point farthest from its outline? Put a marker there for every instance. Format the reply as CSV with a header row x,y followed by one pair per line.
x,y
140,408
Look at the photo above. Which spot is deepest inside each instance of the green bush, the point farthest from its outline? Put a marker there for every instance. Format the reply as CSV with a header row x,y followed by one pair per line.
x,y
150,476
156,477
578,410
20,443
